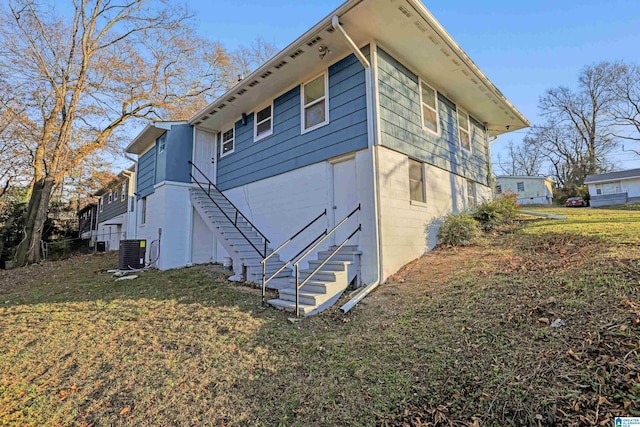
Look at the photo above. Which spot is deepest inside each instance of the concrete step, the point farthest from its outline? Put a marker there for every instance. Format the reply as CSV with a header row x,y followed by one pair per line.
x,y
330,265
275,283
305,296
281,304
323,275
255,276
342,255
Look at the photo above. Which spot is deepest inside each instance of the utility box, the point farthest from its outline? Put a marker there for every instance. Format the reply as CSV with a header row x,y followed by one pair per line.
x,y
132,254
101,246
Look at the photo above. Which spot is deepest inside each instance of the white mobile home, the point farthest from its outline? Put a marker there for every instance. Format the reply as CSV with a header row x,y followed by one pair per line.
x,y
614,188
529,190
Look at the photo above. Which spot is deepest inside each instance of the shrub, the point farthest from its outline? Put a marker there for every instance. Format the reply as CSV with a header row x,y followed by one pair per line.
x,y
500,211
458,230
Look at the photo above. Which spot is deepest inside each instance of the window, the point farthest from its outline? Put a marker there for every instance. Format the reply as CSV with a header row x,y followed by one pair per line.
x,y
499,189
315,108
463,127
227,142
520,186
263,124
123,192
115,195
471,193
429,101
110,196
416,181
162,143
143,211
598,189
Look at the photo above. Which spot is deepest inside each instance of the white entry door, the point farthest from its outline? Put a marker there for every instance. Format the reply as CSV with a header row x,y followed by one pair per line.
x,y
204,155
345,200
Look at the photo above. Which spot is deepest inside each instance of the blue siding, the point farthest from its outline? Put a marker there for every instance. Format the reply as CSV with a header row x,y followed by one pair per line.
x,y
146,173
401,126
178,153
287,149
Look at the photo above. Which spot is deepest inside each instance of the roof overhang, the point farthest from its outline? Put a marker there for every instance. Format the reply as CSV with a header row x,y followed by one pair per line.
x,y
404,28
603,181
149,134
544,178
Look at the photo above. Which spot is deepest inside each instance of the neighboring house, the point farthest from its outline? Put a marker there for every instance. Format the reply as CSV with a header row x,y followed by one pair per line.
x,y
614,188
376,106
528,189
116,210
88,223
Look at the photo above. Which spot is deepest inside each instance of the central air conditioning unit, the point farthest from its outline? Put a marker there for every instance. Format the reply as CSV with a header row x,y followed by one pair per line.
x,y
132,254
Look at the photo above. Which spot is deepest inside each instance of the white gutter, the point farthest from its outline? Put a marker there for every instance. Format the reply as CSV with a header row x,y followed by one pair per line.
x,y
372,102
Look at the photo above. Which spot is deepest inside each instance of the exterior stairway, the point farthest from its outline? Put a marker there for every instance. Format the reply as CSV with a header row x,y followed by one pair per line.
x,y
237,246
325,287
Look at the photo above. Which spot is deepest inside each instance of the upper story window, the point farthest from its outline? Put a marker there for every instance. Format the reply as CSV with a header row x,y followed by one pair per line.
x,y
416,181
429,101
520,186
263,124
228,142
464,129
123,192
110,196
315,108
162,143
115,195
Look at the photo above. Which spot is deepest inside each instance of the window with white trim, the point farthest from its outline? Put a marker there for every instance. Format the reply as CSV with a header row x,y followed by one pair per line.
x,y
315,108
263,123
520,186
115,195
123,192
101,203
598,189
471,193
143,210
464,129
162,143
110,197
416,181
228,142
429,102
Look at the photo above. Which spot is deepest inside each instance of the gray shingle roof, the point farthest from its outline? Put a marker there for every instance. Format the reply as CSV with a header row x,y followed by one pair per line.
x,y
612,176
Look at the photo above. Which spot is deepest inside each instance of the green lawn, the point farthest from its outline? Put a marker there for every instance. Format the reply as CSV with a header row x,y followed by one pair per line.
x,y
458,337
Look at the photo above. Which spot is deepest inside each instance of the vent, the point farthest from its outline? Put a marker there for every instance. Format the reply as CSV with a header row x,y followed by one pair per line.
x,y
465,72
330,30
446,53
314,41
455,61
474,81
221,106
434,40
254,83
281,64
266,74
205,118
494,101
297,53
502,107
405,12
212,112
230,100
241,92
420,27
483,89
512,118
197,123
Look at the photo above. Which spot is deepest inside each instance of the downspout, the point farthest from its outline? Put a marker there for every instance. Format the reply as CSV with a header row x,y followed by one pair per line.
x,y
135,203
373,129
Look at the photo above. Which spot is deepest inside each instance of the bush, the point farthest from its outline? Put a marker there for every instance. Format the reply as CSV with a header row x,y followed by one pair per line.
x,y
500,211
458,230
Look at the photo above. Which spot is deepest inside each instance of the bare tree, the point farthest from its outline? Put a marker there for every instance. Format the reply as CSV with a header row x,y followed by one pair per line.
x,y
584,115
524,159
627,110
81,78
247,58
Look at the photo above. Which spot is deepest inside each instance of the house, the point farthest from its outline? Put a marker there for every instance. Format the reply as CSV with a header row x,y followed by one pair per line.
x,y
88,223
116,210
614,188
528,189
374,121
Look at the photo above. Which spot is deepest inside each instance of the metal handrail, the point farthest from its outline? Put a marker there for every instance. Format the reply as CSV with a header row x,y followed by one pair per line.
x,y
265,279
296,264
237,211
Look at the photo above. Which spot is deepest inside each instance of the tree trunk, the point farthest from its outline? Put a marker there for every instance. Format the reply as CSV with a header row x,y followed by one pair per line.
x,y
28,251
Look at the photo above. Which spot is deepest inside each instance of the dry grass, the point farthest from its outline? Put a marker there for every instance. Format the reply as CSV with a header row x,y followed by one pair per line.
x,y
458,337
